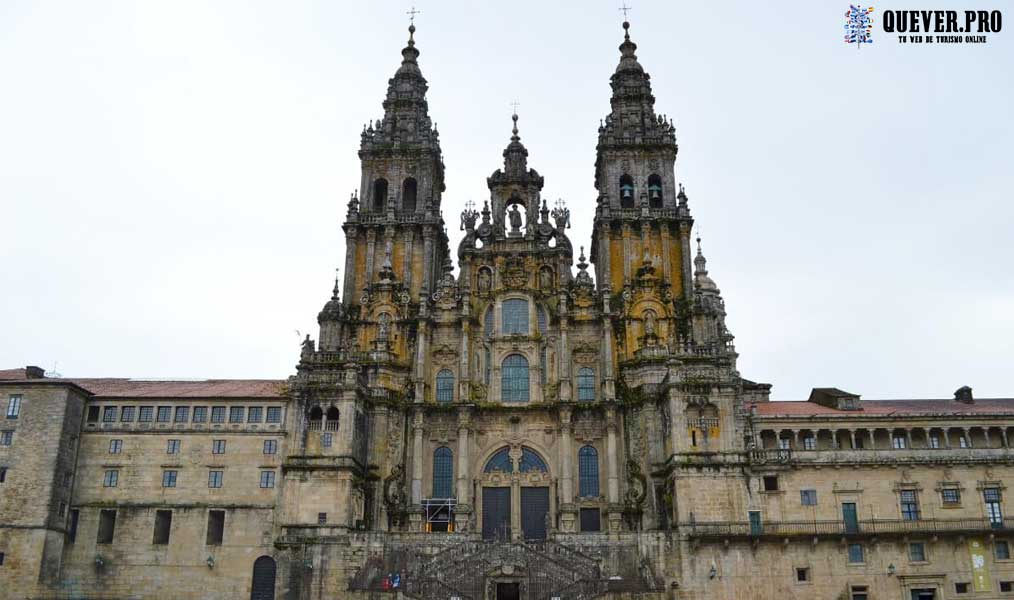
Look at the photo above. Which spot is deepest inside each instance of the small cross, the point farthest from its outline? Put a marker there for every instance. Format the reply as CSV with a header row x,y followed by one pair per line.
x,y
412,13
515,105
625,9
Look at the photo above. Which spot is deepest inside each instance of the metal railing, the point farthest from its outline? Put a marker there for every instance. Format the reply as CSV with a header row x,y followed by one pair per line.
x,y
781,529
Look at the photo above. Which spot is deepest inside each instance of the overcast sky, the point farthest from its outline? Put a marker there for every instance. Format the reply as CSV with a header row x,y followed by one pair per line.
x,y
173,175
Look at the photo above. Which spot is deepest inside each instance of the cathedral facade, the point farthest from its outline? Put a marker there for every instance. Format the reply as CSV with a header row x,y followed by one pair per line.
x,y
551,422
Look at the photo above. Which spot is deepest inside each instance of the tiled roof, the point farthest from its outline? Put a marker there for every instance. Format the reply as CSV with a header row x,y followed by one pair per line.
x,y
12,374
157,388
882,408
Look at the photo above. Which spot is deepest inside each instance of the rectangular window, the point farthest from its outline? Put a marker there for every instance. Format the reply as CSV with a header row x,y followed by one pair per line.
x,y
808,497
218,414
591,519
164,413
200,414
182,414
6,438
961,588
326,440
934,441
267,479
860,592
108,414
909,505
146,414
163,525
802,574
784,443
1007,586
13,406
917,552
216,528
856,554
270,447
218,446
1001,549
274,414
215,479
3,474
93,414
810,443
111,478
115,446
993,510
951,496
770,483
169,479
898,442
127,414
321,518
236,414
254,414
172,447
75,514
107,526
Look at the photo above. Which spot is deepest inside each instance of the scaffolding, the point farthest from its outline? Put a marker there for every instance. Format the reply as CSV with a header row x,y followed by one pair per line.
x,y
439,514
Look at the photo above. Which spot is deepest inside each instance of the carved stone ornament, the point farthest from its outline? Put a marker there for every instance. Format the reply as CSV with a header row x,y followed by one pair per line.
x,y
585,352
445,355
394,495
637,485
514,272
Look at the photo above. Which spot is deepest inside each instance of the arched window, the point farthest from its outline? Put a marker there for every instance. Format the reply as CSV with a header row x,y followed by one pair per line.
x,y
586,385
514,379
443,473
530,461
626,192
588,472
316,416
655,191
487,323
408,193
332,419
379,194
515,316
501,461
445,386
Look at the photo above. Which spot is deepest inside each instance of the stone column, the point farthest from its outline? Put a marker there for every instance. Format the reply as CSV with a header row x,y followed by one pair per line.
x,y
908,438
795,439
568,511
608,385
415,517
463,509
947,437
428,266
421,350
852,438
666,253
612,472
563,354
371,248
626,253
968,436
350,266
409,251
688,287
1003,434
604,265
464,362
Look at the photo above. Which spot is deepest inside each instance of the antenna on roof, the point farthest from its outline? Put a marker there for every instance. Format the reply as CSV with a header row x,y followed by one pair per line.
x,y
53,373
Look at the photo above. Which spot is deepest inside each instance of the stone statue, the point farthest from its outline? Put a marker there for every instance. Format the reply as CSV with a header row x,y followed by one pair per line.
x,y
307,347
484,281
649,323
515,216
384,327
546,279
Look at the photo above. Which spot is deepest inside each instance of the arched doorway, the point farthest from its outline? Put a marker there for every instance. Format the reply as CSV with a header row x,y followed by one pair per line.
x,y
263,586
515,495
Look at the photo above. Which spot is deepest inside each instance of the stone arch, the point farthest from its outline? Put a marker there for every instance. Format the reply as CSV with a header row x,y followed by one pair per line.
x,y
654,191
626,191
409,191
379,194
262,586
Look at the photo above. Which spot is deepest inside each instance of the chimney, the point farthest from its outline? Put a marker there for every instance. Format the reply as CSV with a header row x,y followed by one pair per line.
x,y
963,394
33,372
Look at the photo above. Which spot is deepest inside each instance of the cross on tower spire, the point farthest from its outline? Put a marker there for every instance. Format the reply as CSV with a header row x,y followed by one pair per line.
x,y
411,15
625,9
515,104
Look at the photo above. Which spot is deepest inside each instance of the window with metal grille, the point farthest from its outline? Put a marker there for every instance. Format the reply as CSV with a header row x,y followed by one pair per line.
x,y
515,316
322,518
530,461
326,440
274,414
540,314
487,323
182,414
445,386
856,554
255,414
146,414
514,379
267,479
588,472
950,496
13,406
168,479
200,414
236,414
501,461
808,497
586,384
108,414
215,479
909,505
218,414
164,413
127,414
443,472
993,510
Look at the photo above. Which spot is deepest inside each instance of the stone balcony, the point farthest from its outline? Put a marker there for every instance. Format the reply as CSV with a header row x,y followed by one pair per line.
x,y
838,529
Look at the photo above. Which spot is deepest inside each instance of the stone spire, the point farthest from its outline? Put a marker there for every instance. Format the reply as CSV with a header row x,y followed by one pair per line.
x,y
701,280
515,155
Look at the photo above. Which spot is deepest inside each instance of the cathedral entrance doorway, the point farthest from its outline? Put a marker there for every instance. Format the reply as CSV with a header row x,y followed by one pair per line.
x,y
508,591
496,513
534,509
